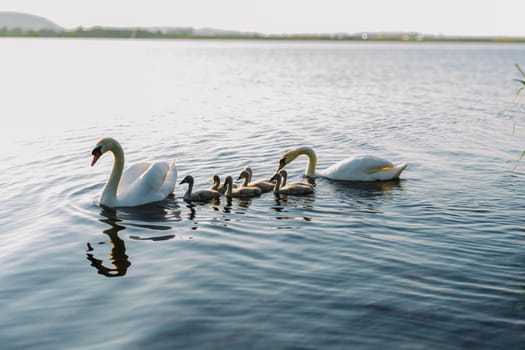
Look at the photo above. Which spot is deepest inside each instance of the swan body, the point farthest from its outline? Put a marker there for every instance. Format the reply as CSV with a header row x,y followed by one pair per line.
x,y
264,185
240,192
358,168
200,195
284,176
216,180
289,189
141,183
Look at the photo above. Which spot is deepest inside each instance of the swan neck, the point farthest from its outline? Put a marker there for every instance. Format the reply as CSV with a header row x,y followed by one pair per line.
x,y
110,190
312,161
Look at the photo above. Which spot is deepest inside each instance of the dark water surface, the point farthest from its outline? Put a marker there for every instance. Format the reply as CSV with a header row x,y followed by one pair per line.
x,y
433,261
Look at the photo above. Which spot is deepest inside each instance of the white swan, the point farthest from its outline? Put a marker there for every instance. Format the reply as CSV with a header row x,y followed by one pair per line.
x,y
200,195
359,168
141,183
293,189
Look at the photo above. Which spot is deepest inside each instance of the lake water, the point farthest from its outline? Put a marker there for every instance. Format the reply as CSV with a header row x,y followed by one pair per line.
x,y
433,261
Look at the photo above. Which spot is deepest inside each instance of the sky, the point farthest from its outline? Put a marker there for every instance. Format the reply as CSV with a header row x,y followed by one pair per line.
x,y
448,17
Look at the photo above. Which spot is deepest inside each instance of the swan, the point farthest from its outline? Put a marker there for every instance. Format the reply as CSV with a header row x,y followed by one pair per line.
x,y
241,192
141,183
263,185
284,175
200,195
290,189
359,168
216,180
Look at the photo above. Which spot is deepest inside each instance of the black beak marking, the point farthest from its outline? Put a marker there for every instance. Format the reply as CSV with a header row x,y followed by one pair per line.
x,y
97,150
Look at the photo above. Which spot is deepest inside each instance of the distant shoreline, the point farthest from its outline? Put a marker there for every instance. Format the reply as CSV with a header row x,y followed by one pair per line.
x,y
188,33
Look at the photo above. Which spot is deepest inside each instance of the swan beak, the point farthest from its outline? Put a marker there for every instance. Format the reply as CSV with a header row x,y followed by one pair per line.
x,y
96,155
282,163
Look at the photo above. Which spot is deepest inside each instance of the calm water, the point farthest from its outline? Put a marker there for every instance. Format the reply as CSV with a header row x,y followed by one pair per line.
x,y
433,261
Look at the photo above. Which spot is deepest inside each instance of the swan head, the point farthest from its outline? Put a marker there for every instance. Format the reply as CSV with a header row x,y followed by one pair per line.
x,y
291,155
287,158
104,145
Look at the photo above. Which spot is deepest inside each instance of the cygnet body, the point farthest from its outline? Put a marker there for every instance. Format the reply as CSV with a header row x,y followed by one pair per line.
x,y
290,189
264,185
284,175
240,192
199,195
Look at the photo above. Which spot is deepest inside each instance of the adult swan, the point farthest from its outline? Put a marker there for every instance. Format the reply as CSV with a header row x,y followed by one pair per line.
x,y
141,183
359,168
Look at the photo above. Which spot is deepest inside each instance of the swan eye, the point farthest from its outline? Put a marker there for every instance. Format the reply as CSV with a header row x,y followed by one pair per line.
x,y
282,163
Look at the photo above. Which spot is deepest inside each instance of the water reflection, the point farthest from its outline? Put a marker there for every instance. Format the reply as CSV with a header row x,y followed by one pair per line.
x,y
117,256
120,263
283,203
364,189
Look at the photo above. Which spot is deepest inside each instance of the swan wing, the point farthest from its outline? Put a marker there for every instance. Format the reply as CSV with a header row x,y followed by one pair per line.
x,y
170,180
130,175
363,168
153,184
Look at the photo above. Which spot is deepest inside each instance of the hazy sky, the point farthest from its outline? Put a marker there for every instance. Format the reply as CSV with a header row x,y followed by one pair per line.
x,y
467,17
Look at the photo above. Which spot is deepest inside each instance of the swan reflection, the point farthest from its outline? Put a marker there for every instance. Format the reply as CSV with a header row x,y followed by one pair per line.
x,y
117,256
118,259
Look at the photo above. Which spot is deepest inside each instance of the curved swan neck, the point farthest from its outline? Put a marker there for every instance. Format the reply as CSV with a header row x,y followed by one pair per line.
x,y
228,184
110,189
250,174
312,160
216,182
246,176
277,186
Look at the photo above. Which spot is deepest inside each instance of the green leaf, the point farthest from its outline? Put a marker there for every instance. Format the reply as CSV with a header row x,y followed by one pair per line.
x,y
519,160
519,68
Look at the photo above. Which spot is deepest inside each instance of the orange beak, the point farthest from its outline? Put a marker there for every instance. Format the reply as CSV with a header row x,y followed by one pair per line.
x,y
96,155
95,158
282,163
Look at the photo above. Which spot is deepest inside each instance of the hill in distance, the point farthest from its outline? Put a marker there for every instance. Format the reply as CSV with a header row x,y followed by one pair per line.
x,y
26,22
16,24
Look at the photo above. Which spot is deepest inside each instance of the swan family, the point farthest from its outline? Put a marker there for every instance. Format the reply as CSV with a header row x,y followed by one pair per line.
x,y
145,182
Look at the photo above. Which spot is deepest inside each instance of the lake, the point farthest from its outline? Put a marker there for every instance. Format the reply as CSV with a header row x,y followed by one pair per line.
x,y
435,260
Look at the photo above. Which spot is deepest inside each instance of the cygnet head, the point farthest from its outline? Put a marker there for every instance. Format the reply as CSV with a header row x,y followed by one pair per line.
x,y
188,179
244,175
277,177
